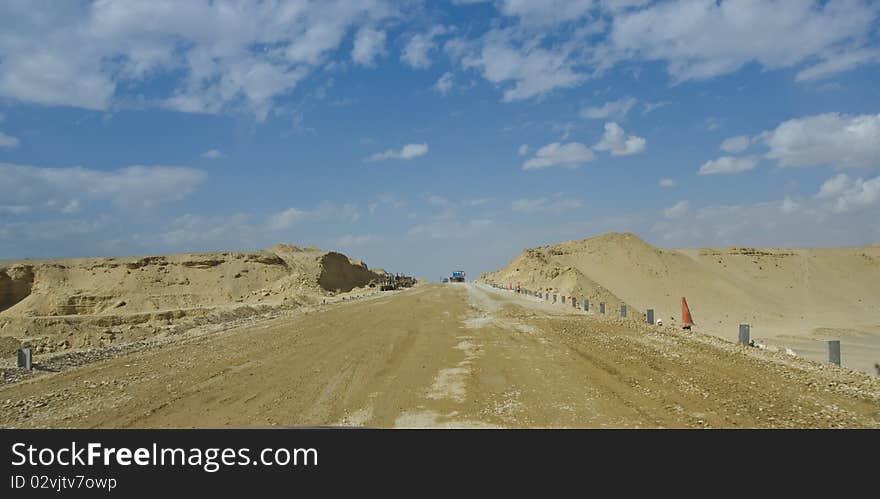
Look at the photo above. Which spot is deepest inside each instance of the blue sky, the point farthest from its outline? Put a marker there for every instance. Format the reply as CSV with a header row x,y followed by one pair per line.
x,y
426,136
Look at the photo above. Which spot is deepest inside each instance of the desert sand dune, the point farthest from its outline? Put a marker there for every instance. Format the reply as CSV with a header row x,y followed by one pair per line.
x,y
791,297
86,302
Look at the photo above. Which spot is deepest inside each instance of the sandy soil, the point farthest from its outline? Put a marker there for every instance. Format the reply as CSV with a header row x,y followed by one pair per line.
x,y
792,298
64,304
457,355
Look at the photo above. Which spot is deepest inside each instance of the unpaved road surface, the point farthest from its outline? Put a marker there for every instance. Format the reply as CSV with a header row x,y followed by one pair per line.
x,y
456,355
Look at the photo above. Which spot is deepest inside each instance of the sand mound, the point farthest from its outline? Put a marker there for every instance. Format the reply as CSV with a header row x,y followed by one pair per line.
x,y
88,301
777,291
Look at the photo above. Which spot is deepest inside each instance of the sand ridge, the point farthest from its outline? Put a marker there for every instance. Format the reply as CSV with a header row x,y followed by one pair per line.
x,y
61,304
790,297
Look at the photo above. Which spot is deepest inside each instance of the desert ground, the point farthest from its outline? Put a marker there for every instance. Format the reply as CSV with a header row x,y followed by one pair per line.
x,y
793,298
446,355
294,337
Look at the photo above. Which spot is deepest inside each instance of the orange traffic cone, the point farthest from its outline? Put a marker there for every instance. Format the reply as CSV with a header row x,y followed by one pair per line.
x,y
686,319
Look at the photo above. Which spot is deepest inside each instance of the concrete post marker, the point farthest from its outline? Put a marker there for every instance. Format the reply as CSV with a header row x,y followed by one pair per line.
x,y
649,316
601,308
834,352
586,304
744,334
623,310
25,358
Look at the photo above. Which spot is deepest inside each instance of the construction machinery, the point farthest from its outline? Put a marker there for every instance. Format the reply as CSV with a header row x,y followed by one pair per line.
x,y
457,276
390,282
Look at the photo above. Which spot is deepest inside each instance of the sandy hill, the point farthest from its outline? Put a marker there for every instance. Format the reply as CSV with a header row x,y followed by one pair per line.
x,y
65,297
806,293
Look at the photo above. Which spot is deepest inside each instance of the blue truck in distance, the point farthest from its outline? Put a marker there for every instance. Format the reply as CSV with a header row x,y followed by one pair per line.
x,y
457,276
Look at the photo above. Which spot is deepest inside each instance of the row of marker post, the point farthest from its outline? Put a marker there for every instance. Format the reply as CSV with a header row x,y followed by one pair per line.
x,y
744,329
833,346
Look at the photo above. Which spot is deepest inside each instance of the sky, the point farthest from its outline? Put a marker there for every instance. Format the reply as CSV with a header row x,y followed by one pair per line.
x,y
428,136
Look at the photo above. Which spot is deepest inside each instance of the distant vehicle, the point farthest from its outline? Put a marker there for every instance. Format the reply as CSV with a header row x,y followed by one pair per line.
x,y
457,276
445,279
391,282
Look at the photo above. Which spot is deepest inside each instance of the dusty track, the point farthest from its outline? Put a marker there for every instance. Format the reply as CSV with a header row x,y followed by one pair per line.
x,y
447,356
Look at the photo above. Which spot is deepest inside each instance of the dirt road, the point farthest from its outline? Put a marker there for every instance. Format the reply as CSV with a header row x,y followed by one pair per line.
x,y
456,355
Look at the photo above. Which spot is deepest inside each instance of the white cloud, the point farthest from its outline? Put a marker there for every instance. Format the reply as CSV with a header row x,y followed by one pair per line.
x,y
445,83
620,5
523,150
326,210
8,141
212,154
545,12
845,211
728,165
368,45
830,139
712,123
417,51
569,155
64,189
286,219
703,39
789,206
555,206
407,152
215,56
614,109
846,194
524,68
192,231
839,62
667,182
677,210
735,144
649,107
615,140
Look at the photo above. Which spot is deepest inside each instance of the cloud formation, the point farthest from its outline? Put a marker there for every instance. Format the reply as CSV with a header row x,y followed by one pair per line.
x,y
613,109
418,50
8,141
553,206
216,56
736,144
212,154
728,165
830,139
67,190
846,194
369,44
407,152
618,142
568,155
221,57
